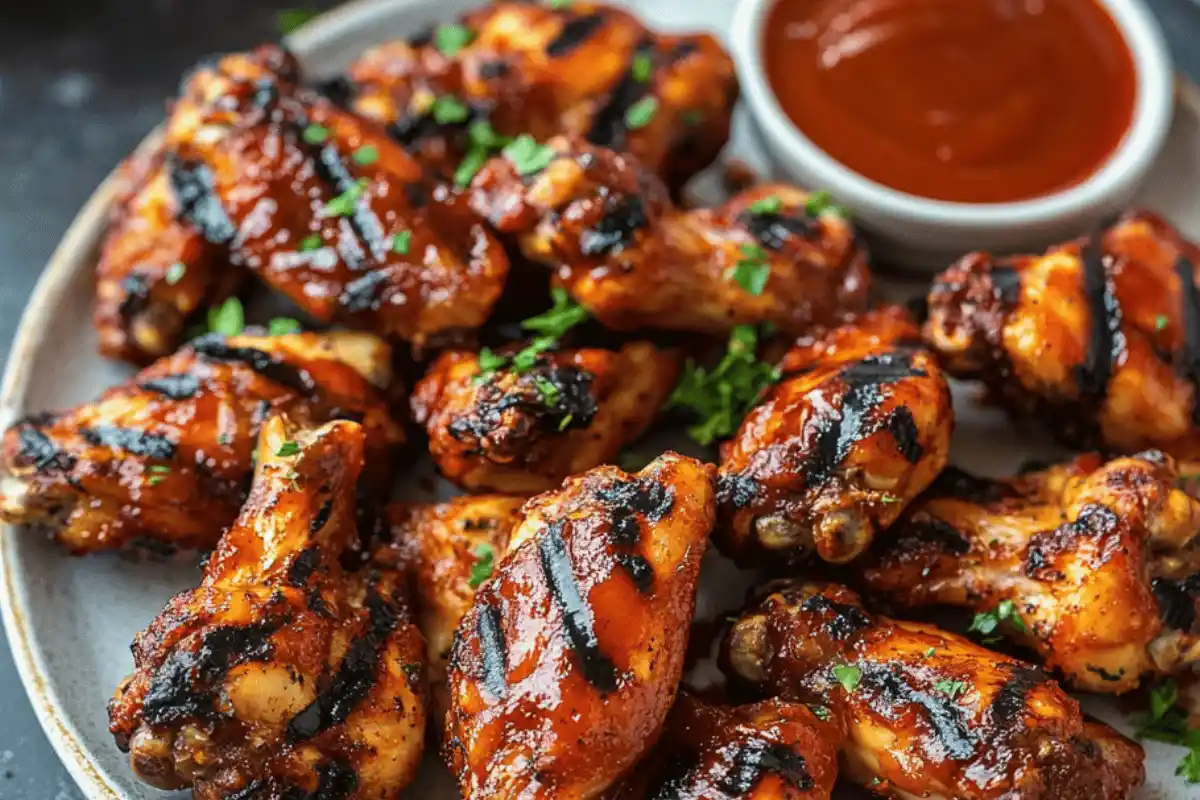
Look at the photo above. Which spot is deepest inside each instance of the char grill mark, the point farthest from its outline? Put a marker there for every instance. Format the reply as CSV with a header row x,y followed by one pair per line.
x,y
336,780
608,128
937,533
904,431
193,185
623,218
45,455
841,430
213,348
754,760
638,569
1177,601
574,33
959,484
355,675
180,386
1009,703
773,230
627,499
578,619
846,621
737,490
131,440
493,650
890,694
1190,357
1006,282
361,294
330,167
185,685
137,294
1106,343
320,519
303,566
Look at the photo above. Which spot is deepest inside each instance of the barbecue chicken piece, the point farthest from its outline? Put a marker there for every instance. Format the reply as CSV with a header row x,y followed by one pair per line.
x,y
524,426
564,669
929,714
858,426
157,264
165,459
605,223
587,70
1090,559
281,675
1100,336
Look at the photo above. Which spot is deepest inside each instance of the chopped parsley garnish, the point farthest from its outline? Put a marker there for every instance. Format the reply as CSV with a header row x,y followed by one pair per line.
x,y
315,134
767,205
366,155
449,39
527,156
820,712
288,449
490,361
821,201
344,204
160,471
481,570
752,271
484,140
1166,722
228,318
291,19
472,162
282,326
549,392
848,675
175,273
562,316
929,653
1161,321
640,113
311,242
565,422
559,4
524,359
986,622
401,242
719,398
951,688
642,67
448,109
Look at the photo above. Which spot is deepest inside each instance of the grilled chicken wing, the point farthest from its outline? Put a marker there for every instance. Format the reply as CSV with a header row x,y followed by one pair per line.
x,y
634,260
156,268
281,676
523,428
586,70
928,713
858,426
166,457
1087,555
1101,335
566,665
773,750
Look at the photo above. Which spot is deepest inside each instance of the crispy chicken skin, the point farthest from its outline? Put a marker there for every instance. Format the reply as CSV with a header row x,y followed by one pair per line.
x,y
773,750
857,427
524,432
564,669
281,676
166,457
1090,554
156,269
1100,336
633,259
928,713
576,71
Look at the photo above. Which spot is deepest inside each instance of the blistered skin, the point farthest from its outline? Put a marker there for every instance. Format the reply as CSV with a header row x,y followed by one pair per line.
x,y
566,665
858,426
156,269
625,252
773,750
1099,336
1094,556
281,676
928,713
577,70
165,458
525,431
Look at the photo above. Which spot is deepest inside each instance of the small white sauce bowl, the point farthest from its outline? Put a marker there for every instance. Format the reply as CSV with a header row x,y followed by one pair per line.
x,y
919,233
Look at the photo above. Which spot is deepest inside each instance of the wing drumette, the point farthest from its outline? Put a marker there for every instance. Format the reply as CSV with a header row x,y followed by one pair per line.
x,y
583,70
564,669
858,426
1092,558
928,714
635,260
281,676
166,457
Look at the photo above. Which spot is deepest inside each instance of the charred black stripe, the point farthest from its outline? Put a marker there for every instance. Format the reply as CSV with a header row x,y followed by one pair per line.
x,y
943,536
891,694
736,490
642,496
774,230
355,675
45,455
575,32
1008,705
577,613
185,684
1177,601
361,294
962,485
131,440
623,218
194,188
180,386
303,566
336,780
340,90
250,791
213,347
137,295
1190,314
1106,343
847,619
754,760
493,650
608,126
321,518
330,167
638,569
904,431
1006,282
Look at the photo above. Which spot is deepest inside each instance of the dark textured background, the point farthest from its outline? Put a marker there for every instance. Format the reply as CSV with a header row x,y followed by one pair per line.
x,y
80,84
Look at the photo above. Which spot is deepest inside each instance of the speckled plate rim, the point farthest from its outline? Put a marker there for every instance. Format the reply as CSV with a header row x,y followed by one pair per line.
x,y
76,252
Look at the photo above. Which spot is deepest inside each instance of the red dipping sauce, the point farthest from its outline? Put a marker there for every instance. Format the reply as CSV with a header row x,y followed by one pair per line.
x,y
967,100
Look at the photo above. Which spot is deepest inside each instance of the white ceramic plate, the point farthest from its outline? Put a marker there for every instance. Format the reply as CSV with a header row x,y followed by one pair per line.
x,y
70,620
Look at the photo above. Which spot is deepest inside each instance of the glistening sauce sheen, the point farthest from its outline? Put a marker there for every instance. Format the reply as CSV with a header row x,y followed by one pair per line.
x,y
967,100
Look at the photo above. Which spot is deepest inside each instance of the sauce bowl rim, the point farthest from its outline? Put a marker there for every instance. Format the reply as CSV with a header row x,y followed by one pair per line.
x,y
1125,166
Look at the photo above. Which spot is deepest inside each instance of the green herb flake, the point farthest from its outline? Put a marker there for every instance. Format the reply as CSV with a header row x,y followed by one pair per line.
x,y
752,271
161,469
767,205
929,653
344,204
175,273
820,712
559,5
481,570
366,155
472,162
565,422
288,449
401,242
820,202
310,243
848,675
449,39
640,113
550,393
527,156
1167,722
155,480
228,318
449,110
950,688
1161,322
292,19
283,326
315,134
642,67
562,316
490,361
986,622
527,357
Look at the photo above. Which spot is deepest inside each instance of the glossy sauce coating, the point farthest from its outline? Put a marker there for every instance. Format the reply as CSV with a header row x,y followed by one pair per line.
x,y
973,101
